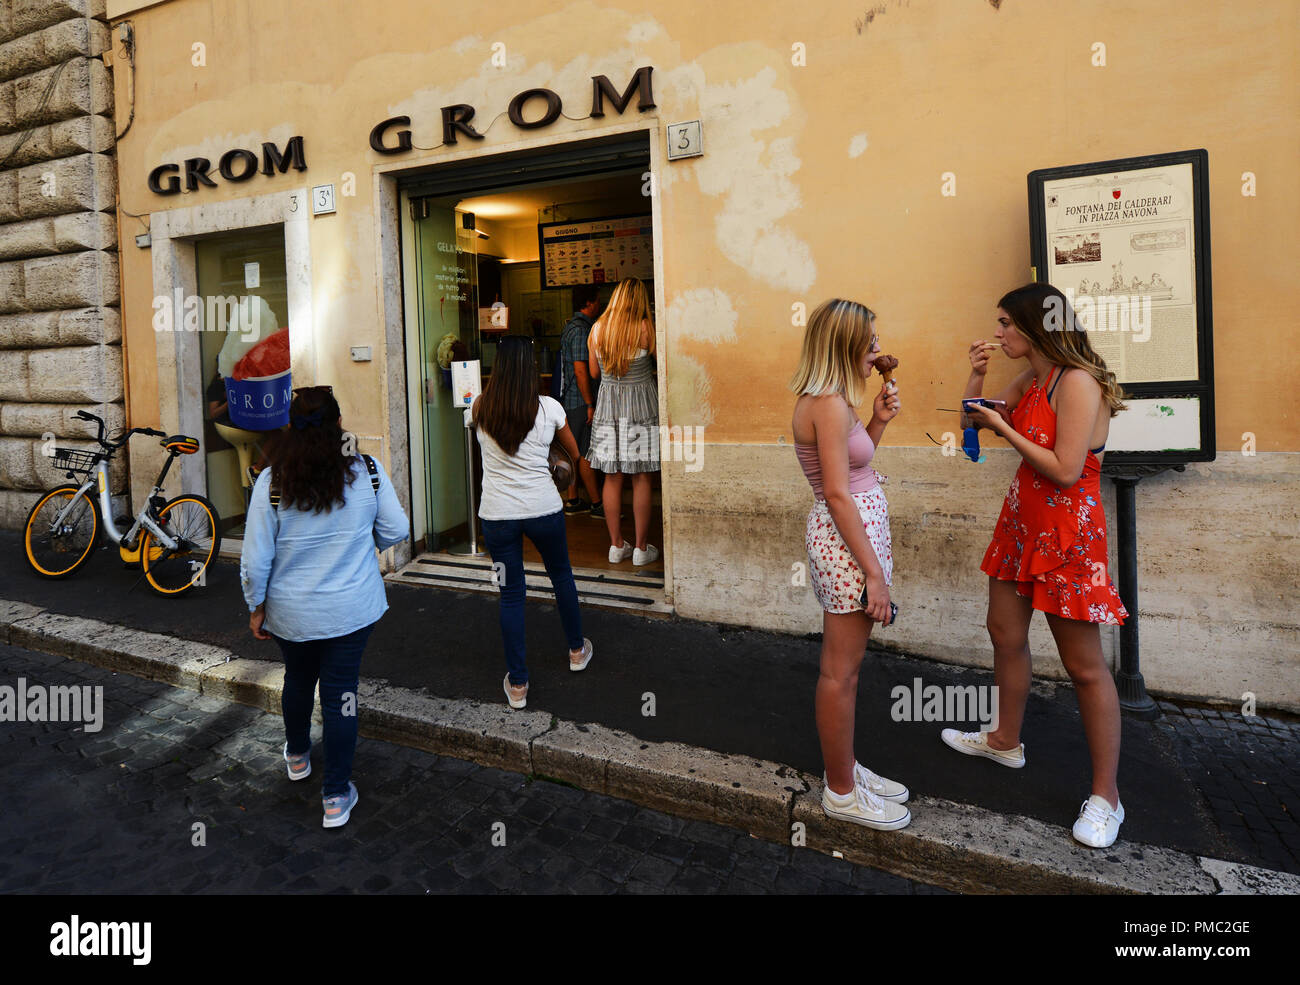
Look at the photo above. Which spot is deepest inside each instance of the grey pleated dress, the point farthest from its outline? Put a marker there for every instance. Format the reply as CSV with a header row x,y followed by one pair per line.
x,y
625,425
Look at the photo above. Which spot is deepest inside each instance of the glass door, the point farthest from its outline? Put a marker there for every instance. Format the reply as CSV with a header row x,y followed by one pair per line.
x,y
447,298
243,293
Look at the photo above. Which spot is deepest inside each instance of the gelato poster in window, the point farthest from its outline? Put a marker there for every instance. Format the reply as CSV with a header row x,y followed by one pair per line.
x,y
1127,243
596,251
254,363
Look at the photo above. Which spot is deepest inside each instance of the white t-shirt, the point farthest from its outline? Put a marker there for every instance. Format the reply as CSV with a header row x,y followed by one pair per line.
x,y
519,486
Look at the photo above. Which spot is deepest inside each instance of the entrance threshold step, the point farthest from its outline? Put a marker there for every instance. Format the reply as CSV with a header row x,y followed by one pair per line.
x,y
597,587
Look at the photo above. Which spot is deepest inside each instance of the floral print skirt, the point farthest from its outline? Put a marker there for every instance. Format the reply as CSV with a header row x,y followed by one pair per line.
x,y
836,578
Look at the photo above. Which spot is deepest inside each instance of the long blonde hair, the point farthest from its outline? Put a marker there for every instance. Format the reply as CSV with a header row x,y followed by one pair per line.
x,y
837,338
619,336
1043,315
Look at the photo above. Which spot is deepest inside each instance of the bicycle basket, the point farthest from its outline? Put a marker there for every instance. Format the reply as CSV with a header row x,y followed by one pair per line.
x,y
75,460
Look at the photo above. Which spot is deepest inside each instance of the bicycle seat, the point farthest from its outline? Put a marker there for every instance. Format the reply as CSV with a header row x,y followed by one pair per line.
x,y
180,444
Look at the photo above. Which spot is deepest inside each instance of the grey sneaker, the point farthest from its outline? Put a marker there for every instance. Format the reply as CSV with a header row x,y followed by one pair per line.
x,y
338,808
298,767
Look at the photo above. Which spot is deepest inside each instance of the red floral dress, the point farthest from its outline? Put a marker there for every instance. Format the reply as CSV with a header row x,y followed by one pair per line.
x,y
1052,541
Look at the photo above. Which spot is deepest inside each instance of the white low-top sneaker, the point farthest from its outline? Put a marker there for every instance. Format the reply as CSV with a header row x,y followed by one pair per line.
x,y
619,554
1098,825
865,808
648,556
882,787
977,744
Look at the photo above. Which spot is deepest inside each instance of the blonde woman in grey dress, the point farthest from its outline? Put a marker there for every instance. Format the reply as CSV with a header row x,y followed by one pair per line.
x,y
625,426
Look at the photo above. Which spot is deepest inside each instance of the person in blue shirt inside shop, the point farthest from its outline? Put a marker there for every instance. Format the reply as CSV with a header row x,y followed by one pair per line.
x,y
311,579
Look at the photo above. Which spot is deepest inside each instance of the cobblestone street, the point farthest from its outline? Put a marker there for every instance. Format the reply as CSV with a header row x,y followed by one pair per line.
x,y
1225,752
115,811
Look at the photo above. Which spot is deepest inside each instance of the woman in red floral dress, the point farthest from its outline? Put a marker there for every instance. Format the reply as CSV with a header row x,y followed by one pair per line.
x,y
1049,547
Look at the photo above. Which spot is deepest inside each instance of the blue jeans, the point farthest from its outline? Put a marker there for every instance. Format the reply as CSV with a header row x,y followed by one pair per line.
x,y
336,664
505,542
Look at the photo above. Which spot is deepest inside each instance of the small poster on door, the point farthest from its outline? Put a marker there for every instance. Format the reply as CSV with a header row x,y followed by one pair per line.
x,y
466,382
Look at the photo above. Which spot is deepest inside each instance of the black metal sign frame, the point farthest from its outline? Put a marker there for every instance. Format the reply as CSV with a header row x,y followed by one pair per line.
x,y
1201,388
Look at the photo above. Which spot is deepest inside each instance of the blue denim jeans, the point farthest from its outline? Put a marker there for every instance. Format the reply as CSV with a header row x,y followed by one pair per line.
x,y
336,664
505,542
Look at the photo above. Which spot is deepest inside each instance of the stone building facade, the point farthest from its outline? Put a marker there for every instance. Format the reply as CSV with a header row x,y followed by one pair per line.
x,y
60,328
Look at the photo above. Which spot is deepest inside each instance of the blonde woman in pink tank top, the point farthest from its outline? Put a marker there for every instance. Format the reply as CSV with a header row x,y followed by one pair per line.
x,y
847,537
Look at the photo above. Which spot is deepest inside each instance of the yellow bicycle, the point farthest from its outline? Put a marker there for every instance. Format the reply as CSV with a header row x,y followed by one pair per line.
x,y
173,540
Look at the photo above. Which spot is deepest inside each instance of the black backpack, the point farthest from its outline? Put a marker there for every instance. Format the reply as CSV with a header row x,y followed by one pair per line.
x,y
370,467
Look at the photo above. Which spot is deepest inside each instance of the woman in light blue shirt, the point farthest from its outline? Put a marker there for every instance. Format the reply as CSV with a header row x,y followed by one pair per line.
x,y
311,580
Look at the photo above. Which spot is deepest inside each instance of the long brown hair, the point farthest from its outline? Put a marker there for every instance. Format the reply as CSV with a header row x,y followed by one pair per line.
x,y
1043,315
620,326
309,468
507,410
835,342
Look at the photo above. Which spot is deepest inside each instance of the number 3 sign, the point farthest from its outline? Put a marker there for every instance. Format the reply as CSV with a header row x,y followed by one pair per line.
x,y
322,199
685,140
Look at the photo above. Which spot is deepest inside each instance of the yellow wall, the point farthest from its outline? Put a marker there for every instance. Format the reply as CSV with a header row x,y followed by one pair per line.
x,y
777,211
817,180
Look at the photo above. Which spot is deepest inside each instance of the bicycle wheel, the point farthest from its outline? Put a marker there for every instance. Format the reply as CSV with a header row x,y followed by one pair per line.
x,y
194,522
55,552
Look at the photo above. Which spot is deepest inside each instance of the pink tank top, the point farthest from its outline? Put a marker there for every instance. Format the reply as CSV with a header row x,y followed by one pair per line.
x,y
862,477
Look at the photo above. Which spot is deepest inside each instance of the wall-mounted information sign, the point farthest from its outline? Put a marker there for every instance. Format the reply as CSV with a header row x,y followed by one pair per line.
x,y
1127,242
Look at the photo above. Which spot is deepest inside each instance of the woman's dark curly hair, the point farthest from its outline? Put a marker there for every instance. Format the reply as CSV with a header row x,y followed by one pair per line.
x,y
309,468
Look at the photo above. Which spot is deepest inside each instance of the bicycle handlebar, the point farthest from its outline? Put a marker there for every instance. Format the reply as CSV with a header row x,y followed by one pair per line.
x,y
119,442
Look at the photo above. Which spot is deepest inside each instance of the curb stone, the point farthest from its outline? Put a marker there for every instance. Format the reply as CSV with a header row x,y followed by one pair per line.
x,y
958,846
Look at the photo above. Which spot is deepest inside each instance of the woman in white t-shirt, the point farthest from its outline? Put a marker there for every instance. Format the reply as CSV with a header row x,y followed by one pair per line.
x,y
515,427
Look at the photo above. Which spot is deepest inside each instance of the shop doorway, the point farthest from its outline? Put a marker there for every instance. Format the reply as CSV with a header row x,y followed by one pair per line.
x,y
498,249
242,279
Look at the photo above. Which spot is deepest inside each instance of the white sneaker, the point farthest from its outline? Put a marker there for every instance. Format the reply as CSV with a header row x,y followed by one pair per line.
x,y
865,808
620,554
883,788
975,744
1098,825
649,555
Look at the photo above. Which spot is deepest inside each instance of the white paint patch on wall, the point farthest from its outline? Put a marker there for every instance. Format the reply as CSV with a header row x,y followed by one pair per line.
x,y
462,45
858,145
752,175
704,314
642,31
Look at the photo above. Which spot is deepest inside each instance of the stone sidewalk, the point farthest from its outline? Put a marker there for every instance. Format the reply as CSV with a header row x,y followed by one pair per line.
x,y
116,812
950,844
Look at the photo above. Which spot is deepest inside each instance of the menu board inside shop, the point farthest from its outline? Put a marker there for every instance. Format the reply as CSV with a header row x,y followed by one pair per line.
x,y
596,251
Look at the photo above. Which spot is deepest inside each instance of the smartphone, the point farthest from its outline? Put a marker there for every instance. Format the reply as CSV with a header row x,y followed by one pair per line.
x,y
893,609
983,402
